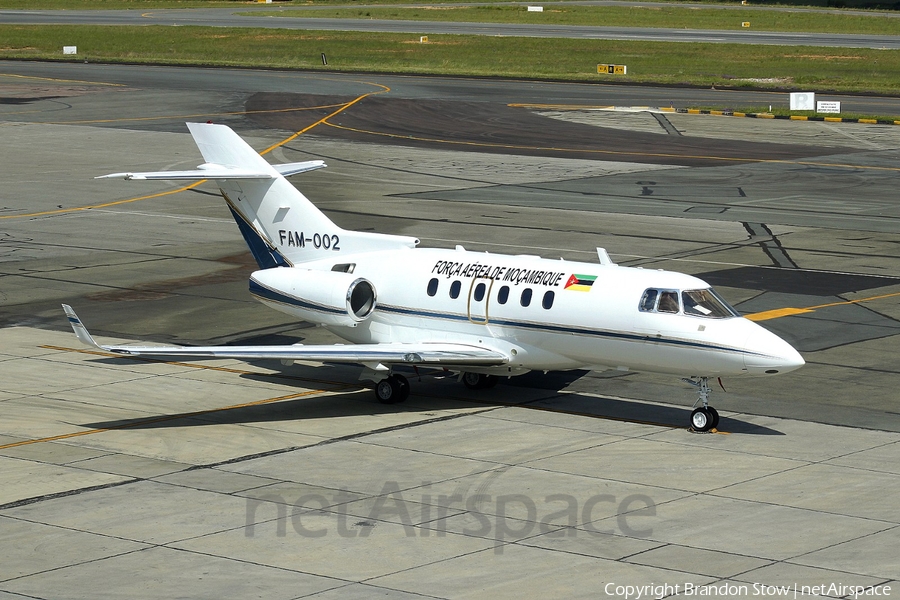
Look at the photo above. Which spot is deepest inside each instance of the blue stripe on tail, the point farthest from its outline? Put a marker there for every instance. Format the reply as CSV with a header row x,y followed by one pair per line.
x,y
266,256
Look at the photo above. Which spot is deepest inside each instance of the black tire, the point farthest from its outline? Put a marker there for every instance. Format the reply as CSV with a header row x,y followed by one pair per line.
x,y
701,419
403,383
473,381
715,417
388,391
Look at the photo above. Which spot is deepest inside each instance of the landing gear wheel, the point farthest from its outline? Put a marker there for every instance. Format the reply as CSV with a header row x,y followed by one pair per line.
x,y
702,419
478,381
392,389
472,380
387,391
715,417
403,382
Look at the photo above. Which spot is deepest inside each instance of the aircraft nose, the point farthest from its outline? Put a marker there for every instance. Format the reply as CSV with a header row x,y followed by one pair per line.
x,y
768,354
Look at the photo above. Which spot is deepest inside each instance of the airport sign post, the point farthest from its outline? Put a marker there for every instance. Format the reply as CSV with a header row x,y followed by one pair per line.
x,y
803,101
612,69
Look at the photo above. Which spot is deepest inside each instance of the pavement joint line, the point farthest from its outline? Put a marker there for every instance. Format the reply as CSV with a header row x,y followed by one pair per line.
x,y
819,511
823,363
726,159
343,438
149,420
33,500
348,437
703,111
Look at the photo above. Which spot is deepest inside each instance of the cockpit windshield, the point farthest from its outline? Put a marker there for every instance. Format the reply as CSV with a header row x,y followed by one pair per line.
x,y
706,303
696,303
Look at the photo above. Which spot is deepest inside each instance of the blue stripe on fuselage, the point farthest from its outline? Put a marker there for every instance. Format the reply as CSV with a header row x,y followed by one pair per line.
x,y
632,337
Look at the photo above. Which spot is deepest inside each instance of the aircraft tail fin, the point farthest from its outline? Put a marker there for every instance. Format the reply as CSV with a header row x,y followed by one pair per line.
x,y
280,225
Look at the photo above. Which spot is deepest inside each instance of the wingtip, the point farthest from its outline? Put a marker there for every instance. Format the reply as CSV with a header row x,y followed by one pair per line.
x,y
78,327
125,176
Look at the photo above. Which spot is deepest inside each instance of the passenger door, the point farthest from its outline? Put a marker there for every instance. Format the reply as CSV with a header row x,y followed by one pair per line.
x,y
479,296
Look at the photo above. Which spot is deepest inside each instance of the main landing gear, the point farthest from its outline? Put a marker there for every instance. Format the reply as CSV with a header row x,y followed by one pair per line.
x,y
704,418
395,388
392,389
479,381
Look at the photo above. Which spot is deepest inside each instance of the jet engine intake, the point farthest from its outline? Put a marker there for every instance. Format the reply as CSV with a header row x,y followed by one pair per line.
x,y
361,299
324,297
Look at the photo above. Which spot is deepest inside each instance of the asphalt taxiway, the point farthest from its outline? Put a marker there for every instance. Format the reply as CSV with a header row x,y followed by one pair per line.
x,y
135,478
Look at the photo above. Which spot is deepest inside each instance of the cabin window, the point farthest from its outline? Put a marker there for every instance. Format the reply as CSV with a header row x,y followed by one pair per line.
x,y
706,303
668,302
664,301
454,289
525,300
503,294
432,286
648,302
547,302
478,296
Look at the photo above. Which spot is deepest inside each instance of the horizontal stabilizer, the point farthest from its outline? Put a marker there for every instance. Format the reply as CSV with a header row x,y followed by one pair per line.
x,y
296,168
428,354
212,171
221,173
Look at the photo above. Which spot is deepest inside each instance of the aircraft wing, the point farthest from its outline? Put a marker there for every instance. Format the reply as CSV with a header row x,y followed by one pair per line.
x,y
427,354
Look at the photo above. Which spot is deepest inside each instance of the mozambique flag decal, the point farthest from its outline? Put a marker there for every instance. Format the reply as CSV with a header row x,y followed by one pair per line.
x,y
580,283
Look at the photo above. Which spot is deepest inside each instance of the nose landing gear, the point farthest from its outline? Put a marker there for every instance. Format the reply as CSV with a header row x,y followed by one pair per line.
x,y
705,417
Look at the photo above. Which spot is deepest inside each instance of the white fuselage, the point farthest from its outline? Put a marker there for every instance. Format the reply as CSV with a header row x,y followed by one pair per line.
x,y
543,314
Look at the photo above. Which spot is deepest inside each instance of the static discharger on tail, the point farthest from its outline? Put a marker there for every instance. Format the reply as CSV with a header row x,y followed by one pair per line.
x,y
478,314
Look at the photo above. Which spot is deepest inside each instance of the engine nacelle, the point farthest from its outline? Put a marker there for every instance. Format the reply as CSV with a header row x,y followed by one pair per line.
x,y
323,297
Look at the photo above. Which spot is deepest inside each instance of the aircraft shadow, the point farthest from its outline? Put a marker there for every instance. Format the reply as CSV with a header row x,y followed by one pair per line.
x,y
431,393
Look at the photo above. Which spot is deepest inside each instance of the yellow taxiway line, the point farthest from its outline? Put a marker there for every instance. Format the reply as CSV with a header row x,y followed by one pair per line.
x,y
149,420
787,312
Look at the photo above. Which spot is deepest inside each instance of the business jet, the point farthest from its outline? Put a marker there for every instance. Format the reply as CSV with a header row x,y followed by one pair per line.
x,y
478,314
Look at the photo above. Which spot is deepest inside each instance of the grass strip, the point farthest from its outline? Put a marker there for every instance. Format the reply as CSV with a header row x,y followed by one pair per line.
x,y
733,65
150,4
118,4
672,17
